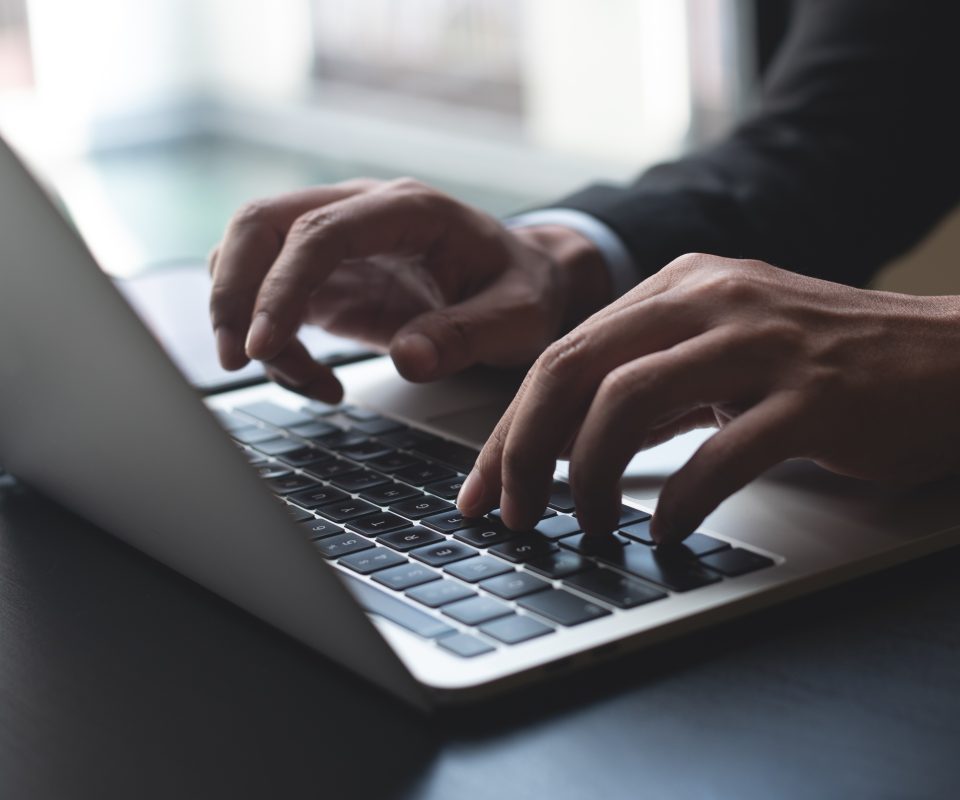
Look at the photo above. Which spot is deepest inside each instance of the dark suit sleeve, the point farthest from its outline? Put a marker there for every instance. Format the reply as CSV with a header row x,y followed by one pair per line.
x,y
851,158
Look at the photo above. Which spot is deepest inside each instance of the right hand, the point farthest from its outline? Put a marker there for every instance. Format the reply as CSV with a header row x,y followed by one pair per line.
x,y
402,267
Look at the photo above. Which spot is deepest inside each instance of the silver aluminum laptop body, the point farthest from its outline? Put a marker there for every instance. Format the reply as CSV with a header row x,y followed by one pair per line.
x,y
94,415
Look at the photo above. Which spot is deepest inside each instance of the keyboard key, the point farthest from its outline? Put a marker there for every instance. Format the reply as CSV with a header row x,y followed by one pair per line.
x,y
287,484
358,481
524,547
629,516
313,430
321,529
677,574
437,555
377,524
394,461
606,545
341,545
375,601
559,565
272,469
639,531
438,593
330,469
561,498
231,422
406,576
404,440
275,415
697,545
447,489
557,527
388,493
450,521
304,456
484,535
317,496
277,447
298,514
547,513
367,561
410,538
514,585
320,409
615,589
457,456
422,475
359,414
465,645
736,561
254,435
422,506
346,509
364,450
515,629
562,607
474,570
343,439
377,425
476,610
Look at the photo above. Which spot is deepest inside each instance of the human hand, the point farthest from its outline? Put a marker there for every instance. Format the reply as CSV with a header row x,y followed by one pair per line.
x,y
865,383
397,265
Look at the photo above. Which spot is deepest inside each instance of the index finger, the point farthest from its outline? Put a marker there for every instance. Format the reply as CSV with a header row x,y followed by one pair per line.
x,y
251,243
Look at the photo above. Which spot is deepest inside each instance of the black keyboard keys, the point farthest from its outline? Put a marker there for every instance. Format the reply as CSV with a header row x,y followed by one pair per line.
x,y
367,561
697,545
524,547
405,576
602,547
447,489
275,415
437,555
341,545
410,538
454,455
321,529
317,496
736,561
561,498
389,493
557,527
393,462
476,610
485,535
615,589
439,593
559,565
422,506
465,645
330,469
288,484
675,573
377,524
514,585
451,521
474,570
397,611
562,607
515,629
422,475
346,509
354,482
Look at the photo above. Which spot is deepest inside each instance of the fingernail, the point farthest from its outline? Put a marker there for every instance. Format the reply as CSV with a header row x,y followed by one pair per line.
x,y
470,494
229,351
259,335
420,353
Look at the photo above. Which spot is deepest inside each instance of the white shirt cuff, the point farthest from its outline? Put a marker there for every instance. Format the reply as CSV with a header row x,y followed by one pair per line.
x,y
623,272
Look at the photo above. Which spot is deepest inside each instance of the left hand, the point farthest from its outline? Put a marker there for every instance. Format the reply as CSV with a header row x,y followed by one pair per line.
x,y
865,383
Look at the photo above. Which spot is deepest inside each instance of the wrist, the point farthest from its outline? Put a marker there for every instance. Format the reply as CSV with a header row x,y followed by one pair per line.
x,y
584,275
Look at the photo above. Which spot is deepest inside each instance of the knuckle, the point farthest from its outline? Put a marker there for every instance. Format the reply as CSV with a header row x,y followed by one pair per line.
x,y
312,224
617,387
687,264
563,360
360,184
252,214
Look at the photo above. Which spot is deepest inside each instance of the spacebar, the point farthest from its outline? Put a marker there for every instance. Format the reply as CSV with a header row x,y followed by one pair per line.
x,y
376,602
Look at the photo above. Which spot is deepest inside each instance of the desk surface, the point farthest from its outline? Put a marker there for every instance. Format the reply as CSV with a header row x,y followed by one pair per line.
x,y
118,678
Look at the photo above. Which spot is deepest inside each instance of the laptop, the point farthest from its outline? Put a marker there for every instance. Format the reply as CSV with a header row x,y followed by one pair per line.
x,y
336,524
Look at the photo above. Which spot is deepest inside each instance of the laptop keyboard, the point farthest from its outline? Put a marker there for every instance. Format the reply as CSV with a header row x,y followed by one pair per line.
x,y
376,498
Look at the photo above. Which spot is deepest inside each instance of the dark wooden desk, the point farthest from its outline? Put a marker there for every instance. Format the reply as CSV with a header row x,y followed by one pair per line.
x,y
118,678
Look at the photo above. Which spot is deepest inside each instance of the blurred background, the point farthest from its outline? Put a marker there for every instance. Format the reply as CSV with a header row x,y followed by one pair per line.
x,y
154,120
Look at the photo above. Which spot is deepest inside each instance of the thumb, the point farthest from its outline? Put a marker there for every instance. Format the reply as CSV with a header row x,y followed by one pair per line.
x,y
439,343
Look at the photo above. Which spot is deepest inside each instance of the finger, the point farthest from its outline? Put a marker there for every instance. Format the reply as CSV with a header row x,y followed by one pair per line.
x,y
295,369
252,241
758,439
561,390
485,328
363,226
643,395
